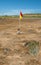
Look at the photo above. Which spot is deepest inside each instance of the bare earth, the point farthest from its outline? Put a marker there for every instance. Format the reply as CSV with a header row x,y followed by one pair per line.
x,y
12,49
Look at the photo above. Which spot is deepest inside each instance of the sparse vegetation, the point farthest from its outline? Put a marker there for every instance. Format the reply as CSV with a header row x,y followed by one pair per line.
x,y
33,47
24,15
32,15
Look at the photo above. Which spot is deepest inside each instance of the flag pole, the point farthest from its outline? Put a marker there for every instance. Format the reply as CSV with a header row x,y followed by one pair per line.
x,y
19,26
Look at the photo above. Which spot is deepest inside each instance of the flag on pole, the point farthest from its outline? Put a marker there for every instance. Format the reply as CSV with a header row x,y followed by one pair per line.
x,y
21,15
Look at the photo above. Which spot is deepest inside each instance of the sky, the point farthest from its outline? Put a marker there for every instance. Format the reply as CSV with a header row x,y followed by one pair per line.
x,y
13,7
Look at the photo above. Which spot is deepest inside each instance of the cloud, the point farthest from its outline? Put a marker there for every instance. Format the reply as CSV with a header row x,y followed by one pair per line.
x,y
16,12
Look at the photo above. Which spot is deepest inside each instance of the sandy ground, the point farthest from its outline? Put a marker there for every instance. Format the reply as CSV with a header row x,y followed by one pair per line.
x,y
12,49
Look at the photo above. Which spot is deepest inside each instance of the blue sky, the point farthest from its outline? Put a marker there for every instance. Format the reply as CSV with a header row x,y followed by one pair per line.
x,y
13,7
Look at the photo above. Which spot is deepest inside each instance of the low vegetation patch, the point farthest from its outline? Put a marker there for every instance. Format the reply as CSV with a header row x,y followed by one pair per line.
x,y
33,47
